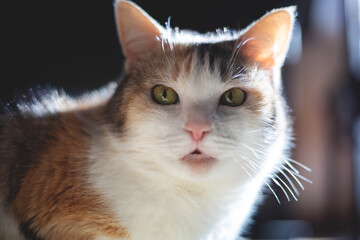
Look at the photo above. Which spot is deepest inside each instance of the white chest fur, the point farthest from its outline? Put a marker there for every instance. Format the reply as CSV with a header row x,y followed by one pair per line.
x,y
159,206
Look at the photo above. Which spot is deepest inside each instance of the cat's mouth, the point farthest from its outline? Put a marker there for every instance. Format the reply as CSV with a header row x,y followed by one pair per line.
x,y
197,151
198,160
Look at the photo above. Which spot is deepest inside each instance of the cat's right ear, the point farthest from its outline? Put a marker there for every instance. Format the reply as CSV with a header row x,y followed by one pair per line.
x,y
267,40
139,33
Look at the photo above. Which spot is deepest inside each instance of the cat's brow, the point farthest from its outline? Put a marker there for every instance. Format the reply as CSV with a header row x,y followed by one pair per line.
x,y
220,57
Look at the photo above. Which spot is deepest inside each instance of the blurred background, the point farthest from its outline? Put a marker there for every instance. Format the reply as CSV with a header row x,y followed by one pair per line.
x,y
73,45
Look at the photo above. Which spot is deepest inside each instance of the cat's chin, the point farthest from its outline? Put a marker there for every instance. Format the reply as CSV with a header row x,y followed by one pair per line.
x,y
199,161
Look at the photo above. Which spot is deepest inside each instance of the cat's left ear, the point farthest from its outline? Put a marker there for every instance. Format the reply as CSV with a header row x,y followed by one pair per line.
x,y
267,40
139,33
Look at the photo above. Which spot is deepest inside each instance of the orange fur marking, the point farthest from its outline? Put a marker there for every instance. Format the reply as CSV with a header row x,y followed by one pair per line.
x,y
54,195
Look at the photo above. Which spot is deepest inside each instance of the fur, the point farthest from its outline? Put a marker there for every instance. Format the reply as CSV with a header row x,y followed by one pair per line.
x,y
108,166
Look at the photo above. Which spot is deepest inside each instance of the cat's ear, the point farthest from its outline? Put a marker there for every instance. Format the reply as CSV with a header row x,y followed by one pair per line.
x,y
266,41
139,33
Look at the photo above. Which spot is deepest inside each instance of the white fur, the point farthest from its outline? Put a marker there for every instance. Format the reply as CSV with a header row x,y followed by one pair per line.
x,y
9,227
155,195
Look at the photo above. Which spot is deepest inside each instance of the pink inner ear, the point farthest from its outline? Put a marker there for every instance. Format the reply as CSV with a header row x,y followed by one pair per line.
x,y
139,33
260,52
266,42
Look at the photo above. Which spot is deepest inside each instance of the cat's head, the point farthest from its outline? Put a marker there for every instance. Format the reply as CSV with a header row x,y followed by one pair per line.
x,y
201,105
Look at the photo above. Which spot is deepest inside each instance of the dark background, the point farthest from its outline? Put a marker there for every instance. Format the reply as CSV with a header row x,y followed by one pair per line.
x,y
73,44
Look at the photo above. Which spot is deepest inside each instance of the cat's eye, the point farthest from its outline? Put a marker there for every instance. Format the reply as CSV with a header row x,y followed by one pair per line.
x,y
164,95
233,97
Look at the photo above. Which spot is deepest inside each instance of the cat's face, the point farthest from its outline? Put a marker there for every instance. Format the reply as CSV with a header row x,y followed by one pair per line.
x,y
197,110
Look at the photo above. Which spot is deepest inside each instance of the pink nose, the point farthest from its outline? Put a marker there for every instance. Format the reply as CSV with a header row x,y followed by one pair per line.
x,y
197,129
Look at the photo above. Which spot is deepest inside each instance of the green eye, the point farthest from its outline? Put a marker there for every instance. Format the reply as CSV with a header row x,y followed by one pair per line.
x,y
164,95
233,97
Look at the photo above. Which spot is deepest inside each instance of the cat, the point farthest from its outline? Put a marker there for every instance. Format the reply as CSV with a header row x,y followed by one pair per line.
x,y
179,149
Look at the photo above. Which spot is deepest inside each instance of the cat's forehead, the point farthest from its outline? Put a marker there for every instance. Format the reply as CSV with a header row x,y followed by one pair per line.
x,y
218,58
202,63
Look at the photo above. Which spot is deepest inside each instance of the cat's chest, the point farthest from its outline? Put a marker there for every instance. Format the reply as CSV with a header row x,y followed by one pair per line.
x,y
183,218
155,205
181,214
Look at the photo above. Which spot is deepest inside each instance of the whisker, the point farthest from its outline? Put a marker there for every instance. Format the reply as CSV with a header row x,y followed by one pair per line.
x,y
257,144
242,166
223,140
243,42
277,199
291,192
277,183
296,179
232,58
234,53
299,164
254,163
254,131
302,177
239,73
251,149
260,191
252,167
258,150
289,180
294,173
291,166
254,151
257,164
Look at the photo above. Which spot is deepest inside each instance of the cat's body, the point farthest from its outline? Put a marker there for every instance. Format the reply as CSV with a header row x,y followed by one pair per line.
x,y
137,166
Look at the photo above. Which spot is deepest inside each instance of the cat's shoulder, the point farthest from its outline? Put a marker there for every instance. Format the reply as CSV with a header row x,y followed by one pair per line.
x,y
41,102
48,115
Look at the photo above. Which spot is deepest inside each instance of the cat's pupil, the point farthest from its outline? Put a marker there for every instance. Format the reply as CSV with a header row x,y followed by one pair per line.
x,y
230,97
164,94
